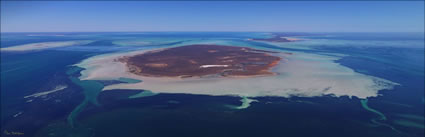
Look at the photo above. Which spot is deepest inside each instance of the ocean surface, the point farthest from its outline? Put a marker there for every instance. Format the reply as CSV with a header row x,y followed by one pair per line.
x,y
42,95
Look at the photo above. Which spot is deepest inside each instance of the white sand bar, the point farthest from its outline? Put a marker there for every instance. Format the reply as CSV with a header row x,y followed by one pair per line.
x,y
45,45
57,88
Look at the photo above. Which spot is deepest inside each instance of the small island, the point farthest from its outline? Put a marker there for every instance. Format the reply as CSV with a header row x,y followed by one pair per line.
x,y
202,60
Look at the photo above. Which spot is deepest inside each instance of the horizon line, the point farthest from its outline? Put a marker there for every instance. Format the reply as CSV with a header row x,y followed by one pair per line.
x,y
218,31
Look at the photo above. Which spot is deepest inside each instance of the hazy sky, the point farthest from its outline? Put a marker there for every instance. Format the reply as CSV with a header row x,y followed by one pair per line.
x,y
305,16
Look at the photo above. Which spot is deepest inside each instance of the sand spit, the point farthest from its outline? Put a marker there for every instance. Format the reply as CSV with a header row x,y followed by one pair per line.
x,y
57,88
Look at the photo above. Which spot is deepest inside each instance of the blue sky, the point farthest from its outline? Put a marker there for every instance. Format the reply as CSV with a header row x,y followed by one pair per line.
x,y
304,16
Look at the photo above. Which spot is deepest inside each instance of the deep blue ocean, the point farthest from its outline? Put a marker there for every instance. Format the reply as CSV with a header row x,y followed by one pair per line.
x,y
397,57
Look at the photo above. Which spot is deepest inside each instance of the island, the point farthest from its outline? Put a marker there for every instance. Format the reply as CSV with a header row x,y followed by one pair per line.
x,y
245,69
202,60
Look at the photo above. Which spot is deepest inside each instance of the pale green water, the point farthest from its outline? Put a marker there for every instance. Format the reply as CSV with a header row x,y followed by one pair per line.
x,y
410,116
145,93
381,117
73,70
365,106
129,80
408,123
246,102
91,89
409,120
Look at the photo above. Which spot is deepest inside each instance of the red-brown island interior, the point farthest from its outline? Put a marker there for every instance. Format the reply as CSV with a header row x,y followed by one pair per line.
x,y
202,60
